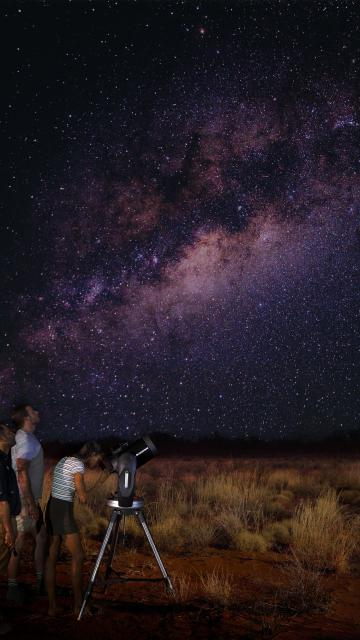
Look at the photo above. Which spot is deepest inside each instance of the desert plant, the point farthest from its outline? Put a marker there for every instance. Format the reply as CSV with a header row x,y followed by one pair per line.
x,y
284,478
171,498
218,587
304,591
241,493
90,524
182,586
168,533
250,541
322,537
278,534
198,533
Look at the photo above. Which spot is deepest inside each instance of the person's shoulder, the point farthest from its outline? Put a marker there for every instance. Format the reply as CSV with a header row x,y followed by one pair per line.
x,y
21,436
74,461
26,445
77,464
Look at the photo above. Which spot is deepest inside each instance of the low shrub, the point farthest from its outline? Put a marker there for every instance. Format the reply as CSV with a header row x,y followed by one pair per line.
x,y
322,538
249,541
218,587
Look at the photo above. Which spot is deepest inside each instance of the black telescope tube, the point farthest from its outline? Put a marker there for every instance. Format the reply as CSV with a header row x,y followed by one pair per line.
x,y
144,450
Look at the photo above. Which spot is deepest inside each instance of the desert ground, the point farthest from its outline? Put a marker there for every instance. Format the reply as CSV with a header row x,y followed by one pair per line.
x,y
256,548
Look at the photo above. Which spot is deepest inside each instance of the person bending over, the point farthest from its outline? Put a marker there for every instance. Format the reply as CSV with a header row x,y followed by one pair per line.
x,y
68,479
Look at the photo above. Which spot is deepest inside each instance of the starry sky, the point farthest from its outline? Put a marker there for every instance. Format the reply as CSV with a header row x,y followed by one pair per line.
x,y
180,217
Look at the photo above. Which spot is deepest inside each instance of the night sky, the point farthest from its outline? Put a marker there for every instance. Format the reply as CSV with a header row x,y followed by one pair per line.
x,y
180,217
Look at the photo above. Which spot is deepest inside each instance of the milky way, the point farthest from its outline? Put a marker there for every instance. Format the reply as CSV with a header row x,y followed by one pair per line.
x,y
181,230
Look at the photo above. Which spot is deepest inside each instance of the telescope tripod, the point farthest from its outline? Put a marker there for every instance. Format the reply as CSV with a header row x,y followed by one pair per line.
x,y
112,533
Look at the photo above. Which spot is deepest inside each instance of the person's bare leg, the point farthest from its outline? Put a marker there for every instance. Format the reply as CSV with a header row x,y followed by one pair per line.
x,y
40,551
73,545
13,566
50,573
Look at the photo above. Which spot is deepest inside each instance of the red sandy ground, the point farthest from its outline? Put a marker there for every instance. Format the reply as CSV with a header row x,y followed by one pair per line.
x,y
144,611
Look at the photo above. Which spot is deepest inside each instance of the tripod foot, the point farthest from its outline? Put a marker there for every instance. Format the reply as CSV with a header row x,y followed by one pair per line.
x,y
83,607
170,591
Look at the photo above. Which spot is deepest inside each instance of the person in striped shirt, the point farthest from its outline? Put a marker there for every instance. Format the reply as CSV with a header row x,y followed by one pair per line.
x,y
68,479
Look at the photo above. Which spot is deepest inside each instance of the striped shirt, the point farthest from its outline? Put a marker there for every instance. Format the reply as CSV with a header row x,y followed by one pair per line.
x,y
63,486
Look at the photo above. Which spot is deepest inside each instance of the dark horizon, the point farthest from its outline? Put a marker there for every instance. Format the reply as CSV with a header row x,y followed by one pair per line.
x,y
180,228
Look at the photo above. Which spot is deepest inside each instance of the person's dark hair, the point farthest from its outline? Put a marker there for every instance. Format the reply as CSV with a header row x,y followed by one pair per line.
x,y
3,426
88,449
18,414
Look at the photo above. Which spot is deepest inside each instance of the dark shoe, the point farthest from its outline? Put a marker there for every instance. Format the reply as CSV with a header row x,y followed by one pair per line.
x,y
5,627
15,595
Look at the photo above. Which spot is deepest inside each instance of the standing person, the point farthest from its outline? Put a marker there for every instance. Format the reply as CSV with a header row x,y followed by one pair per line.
x,y
10,506
28,463
68,478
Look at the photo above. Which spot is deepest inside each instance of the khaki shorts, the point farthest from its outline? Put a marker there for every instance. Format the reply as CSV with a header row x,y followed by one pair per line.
x,y
25,524
4,549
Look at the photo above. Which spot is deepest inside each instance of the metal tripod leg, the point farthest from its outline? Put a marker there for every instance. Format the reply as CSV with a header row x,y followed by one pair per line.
x,y
114,540
151,542
113,518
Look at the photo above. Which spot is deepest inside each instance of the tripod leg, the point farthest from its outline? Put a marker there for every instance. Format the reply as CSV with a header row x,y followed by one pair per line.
x,y
105,542
114,539
141,518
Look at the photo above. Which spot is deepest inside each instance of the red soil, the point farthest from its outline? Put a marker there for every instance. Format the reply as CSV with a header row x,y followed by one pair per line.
x,y
144,611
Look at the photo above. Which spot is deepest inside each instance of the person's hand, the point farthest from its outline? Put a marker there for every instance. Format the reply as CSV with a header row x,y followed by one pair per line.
x,y
33,510
9,538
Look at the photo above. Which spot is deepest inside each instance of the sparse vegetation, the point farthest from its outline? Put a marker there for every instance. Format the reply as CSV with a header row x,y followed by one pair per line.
x,y
183,587
249,541
304,589
322,536
218,587
305,514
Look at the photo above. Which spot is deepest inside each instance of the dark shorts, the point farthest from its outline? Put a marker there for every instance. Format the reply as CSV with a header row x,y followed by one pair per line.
x,y
59,517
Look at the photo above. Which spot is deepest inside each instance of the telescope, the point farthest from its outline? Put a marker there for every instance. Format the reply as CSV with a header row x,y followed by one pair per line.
x,y
125,461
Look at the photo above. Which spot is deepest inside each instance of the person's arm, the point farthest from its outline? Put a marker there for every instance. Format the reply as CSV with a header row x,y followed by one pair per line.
x,y
22,466
5,519
80,487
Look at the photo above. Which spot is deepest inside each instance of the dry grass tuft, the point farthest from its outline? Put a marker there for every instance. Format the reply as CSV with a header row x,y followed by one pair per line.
x,y
322,538
281,479
170,499
343,475
242,493
218,587
278,534
249,541
183,587
305,590
168,533
198,533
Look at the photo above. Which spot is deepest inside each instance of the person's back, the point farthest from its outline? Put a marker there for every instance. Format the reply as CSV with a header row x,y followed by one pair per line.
x,y
63,485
